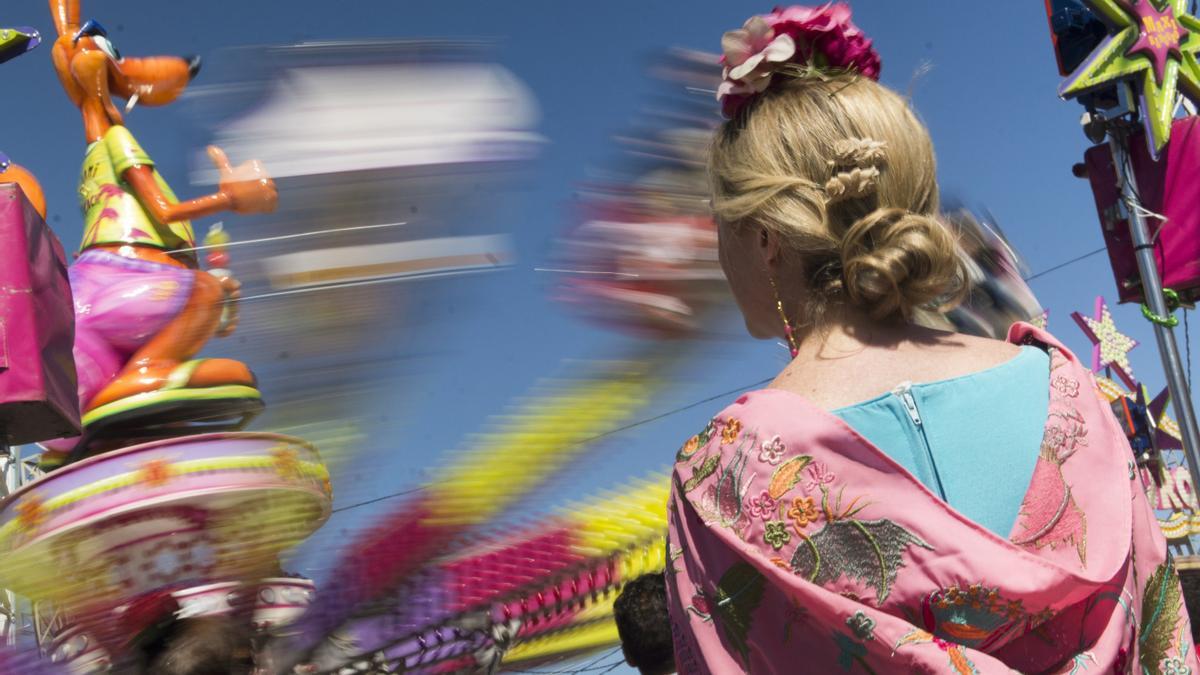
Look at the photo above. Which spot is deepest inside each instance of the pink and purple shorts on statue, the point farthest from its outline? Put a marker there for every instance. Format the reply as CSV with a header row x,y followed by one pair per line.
x,y
120,303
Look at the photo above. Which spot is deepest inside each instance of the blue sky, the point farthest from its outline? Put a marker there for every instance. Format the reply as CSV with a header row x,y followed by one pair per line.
x,y
1004,141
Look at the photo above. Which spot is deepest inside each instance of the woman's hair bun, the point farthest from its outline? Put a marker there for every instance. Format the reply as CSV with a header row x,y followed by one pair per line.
x,y
896,262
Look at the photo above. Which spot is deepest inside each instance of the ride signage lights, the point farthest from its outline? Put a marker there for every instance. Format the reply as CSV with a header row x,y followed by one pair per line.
x,y
1154,44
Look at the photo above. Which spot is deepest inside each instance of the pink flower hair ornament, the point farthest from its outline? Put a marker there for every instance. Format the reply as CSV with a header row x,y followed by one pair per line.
x,y
821,39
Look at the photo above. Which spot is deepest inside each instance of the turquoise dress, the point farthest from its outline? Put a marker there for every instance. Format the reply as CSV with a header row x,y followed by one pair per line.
x,y
972,440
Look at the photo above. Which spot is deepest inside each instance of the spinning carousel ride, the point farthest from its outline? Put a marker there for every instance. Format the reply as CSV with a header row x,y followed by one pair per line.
x,y
155,505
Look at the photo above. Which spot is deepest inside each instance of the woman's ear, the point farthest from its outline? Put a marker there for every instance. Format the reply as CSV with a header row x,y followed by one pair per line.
x,y
769,246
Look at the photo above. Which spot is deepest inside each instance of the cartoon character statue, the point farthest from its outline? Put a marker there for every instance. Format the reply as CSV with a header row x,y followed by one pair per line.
x,y
143,307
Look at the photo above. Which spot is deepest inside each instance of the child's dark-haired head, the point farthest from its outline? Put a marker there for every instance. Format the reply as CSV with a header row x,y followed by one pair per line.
x,y
644,626
198,646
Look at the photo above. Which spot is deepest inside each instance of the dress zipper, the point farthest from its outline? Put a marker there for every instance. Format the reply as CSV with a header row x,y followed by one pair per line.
x,y
904,393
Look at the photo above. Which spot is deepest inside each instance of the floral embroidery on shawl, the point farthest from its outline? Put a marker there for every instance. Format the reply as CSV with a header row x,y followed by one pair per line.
x,y
787,475
959,663
1175,666
762,506
803,513
691,445
850,652
731,608
818,476
723,501
977,616
707,468
775,533
731,490
1161,603
862,625
1049,515
772,451
730,431
869,551
673,553
817,548
1079,662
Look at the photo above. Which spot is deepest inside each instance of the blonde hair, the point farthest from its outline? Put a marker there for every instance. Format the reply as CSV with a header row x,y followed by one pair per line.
x,y
843,170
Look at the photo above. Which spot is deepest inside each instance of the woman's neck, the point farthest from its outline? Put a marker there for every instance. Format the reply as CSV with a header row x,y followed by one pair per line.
x,y
845,331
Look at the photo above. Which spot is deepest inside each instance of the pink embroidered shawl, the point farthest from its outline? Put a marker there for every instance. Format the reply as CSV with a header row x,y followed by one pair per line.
x,y
797,546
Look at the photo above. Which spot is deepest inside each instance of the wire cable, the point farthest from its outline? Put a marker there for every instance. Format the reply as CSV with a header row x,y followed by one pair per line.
x,y
1061,265
591,439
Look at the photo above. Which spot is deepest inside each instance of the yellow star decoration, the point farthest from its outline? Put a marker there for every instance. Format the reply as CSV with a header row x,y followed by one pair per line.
x,y
154,472
286,462
1153,42
1111,345
1170,427
1114,345
1111,390
1167,433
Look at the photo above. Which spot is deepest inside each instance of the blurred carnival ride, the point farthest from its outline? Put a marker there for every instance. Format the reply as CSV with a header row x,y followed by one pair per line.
x,y
400,184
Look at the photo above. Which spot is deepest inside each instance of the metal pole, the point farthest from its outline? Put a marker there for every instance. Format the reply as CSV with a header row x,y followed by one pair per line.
x,y
11,620
1181,397
9,485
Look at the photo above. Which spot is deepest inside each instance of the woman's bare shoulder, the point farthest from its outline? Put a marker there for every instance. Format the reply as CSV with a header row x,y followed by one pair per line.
x,y
971,348
947,355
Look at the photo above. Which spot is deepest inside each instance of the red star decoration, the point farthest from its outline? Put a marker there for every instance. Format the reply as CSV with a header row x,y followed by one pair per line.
x,y
1160,36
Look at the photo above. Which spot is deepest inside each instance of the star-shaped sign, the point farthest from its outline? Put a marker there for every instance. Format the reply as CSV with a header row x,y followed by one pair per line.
x,y
1167,434
1111,345
1110,389
1153,41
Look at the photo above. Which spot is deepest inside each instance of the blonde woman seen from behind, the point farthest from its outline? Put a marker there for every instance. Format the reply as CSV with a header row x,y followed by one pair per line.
x,y
899,499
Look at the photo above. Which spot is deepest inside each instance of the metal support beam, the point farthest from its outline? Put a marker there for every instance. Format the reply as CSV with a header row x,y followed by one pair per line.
x,y
1181,397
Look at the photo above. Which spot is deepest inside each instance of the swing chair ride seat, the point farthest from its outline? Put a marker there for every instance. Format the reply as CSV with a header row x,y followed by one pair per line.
x,y
279,602
161,517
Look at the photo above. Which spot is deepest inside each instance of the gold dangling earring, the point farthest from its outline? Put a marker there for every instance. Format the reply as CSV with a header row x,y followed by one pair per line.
x,y
787,325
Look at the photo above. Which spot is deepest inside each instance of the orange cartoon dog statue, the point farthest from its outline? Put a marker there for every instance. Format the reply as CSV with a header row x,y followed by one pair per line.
x,y
143,307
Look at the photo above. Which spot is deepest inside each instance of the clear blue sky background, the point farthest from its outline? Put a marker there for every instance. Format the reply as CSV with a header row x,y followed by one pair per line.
x,y
1003,138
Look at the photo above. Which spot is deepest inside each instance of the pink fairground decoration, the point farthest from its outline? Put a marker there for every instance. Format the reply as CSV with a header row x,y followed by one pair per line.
x,y
822,37
37,327
1165,187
